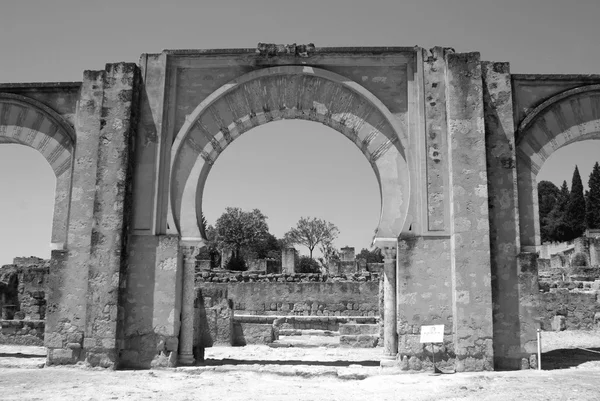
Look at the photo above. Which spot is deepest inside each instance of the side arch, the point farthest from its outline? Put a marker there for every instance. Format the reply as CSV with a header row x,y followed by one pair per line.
x,y
570,116
30,123
288,92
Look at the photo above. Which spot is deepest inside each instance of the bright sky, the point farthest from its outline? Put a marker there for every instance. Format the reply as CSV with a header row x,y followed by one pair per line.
x,y
276,167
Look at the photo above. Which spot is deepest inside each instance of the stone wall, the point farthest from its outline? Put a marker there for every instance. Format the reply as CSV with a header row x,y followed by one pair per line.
x,y
293,294
577,308
22,332
23,290
312,297
23,302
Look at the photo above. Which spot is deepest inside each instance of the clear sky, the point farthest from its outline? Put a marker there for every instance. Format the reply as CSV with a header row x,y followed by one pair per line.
x,y
276,167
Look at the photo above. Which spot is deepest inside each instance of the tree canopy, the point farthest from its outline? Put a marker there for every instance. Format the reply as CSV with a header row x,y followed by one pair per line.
x,y
565,214
576,206
593,199
238,229
373,256
311,232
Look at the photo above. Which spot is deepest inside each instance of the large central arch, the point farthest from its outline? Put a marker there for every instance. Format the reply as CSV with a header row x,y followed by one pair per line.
x,y
286,93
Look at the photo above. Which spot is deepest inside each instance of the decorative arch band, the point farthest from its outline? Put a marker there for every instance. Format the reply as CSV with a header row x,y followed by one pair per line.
x,y
28,122
290,92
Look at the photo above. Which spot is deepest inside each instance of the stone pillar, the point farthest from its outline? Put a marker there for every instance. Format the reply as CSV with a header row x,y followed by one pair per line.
x,y
514,276
68,281
288,260
469,229
347,254
60,219
186,336
594,251
110,216
390,332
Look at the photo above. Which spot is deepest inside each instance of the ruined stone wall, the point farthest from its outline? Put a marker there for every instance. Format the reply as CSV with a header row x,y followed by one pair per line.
x,y
580,308
294,294
23,316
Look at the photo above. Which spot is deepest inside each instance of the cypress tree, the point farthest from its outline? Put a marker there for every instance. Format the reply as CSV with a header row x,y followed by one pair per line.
x,y
547,197
593,199
556,222
576,207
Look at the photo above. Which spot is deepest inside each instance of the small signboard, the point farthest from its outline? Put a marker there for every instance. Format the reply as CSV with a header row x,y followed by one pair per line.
x,y
432,334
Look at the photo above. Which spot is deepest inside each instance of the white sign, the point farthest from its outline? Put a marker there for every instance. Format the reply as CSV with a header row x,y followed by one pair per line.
x,y
432,334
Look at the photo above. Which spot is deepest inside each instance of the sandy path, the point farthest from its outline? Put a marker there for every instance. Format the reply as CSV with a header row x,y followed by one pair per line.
x,y
301,374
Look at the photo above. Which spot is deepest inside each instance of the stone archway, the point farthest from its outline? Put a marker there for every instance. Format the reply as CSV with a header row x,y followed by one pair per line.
x,y
290,92
30,123
287,93
571,116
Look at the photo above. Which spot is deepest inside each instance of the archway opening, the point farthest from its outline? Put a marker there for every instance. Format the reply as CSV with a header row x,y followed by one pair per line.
x,y
293,168
27,184
290,169
568,255
27,203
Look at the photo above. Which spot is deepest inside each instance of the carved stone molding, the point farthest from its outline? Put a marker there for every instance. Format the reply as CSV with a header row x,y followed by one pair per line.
x,y
294,50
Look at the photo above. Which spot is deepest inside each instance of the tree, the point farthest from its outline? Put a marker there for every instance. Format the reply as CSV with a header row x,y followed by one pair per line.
x,y
374,256
547,195
593,199
556,222
576,207
311,232
237,229
267,247
307,264
330,253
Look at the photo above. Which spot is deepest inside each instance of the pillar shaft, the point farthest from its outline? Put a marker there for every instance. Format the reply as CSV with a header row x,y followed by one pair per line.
x,y
186,336
390,333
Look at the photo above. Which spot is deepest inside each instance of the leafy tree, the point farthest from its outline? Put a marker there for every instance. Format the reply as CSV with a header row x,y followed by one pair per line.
x,y
547,195
311,232
267,247
374,256
576,207
556,222
593,199
330,253
307,264
238,230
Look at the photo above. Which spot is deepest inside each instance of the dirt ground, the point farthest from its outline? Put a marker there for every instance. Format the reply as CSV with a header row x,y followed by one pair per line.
x,y
571,372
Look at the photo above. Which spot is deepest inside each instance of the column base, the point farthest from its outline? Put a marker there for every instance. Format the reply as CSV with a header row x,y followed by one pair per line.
x,y
388,361
186,359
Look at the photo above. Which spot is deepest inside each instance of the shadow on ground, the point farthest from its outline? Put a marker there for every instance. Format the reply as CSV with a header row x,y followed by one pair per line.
x,y
19,355
227,361
569,357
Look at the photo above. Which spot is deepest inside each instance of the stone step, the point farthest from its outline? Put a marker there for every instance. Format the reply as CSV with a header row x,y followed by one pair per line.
x,y
308,332
359,341
353,329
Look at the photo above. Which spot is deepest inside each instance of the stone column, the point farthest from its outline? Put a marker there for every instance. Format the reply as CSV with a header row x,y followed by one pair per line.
x,y
390,333
288,261
470,232
186,336
60,220
68,281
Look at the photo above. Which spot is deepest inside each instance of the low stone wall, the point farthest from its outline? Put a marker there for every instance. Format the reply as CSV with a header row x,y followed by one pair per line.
x,y
220,296
22,332
579,308
330,298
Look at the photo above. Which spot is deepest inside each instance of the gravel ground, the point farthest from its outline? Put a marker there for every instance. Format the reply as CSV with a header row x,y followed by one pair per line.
x,y
571,371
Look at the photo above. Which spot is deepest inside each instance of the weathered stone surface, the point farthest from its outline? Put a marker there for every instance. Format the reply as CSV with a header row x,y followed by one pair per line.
x,y
252,333
458,185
